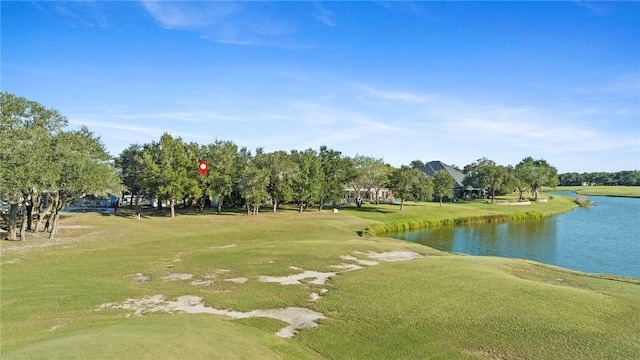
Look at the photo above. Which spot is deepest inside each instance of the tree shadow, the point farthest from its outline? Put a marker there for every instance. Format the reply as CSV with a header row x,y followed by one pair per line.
x,y
371,209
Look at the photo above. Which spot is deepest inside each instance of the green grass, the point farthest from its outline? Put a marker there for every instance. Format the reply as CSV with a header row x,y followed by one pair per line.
x,y
622,191
440,306
430,214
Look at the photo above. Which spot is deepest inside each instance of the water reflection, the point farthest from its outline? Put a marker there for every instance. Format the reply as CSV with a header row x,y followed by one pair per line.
x,y
524,239
601,239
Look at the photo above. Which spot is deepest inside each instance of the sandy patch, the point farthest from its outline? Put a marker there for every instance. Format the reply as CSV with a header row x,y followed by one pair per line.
x,y
14,261
346,267
297,318
394,255
140,277
222,271
201,282
361,262
177,276
319,278
223,246
295,268
238,280
362,240
35,246
74,227
55,327
314,297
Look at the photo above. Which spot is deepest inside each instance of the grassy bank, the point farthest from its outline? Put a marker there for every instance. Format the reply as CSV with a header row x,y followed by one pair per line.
x,y
621,191
437,306
425,215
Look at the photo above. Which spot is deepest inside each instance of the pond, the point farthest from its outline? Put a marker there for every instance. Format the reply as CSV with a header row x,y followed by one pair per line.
x,y
604,238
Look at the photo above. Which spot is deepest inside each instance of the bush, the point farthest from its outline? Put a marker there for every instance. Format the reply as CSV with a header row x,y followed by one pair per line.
x,y
583,201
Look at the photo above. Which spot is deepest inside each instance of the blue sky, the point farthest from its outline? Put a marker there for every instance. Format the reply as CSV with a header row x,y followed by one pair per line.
x,y
394,80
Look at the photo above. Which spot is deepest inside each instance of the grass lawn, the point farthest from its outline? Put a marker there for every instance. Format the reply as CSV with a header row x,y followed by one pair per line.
x,y
623,191
437,306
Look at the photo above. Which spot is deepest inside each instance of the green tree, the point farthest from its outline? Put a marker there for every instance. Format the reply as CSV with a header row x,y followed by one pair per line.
x,y
376,174
283,172
422,189
83,168
359,181
253,180
129,165
307,185
443,185
406,182
487,173
337,171
166,168
26,161
517,181
536,173
222,157
417,164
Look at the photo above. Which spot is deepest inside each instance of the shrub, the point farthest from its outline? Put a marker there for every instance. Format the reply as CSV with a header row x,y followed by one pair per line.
x,y
583,201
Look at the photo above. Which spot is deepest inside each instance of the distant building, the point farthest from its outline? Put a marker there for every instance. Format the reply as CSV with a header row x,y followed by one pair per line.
x,y
459,189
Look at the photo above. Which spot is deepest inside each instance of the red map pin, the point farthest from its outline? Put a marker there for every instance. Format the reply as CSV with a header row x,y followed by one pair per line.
x,y
203,167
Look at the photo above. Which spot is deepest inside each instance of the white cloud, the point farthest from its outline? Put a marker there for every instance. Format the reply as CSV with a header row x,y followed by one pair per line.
x,y
188,116
189,15
325,16
393,96
227,22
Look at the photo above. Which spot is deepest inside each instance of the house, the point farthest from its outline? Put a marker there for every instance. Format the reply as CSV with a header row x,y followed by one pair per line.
x,y
459,189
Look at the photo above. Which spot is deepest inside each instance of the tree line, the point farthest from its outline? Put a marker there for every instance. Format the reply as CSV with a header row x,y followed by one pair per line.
x,y
40,159
626,178
166,170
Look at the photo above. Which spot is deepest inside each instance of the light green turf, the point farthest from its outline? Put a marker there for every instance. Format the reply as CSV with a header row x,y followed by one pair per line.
x,y
622,191
441,306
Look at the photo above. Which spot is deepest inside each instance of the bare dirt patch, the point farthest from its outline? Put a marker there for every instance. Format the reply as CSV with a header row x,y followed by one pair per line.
x,y
140,277
319,278
238,280
394,255
177,276
201,282
346,267
223,246
296,317
361,262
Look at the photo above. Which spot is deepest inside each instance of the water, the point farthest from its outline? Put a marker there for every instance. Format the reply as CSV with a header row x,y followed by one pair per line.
x,y
602,239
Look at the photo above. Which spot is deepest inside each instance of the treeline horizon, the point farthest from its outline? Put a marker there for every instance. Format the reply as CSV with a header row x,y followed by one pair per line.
x,y
40,158
620,178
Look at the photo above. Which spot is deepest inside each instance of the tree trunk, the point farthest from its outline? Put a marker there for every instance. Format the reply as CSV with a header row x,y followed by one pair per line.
x,y
402,204
23,226
493,195
42,212
220,204
440,200
11,225
42,215
173,208
275,204
60,204
29,213
320,204
54,226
